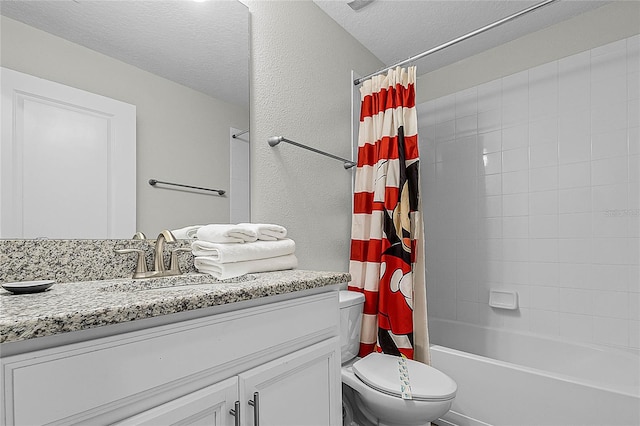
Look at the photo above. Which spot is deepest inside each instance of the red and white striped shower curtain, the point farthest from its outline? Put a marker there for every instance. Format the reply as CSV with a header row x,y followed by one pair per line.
x,y
387,257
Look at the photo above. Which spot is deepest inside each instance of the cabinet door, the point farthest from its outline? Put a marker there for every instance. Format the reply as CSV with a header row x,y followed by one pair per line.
x,y
209,406
302,388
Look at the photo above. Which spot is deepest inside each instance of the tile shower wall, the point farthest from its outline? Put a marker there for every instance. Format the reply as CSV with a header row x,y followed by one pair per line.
x,y
532,183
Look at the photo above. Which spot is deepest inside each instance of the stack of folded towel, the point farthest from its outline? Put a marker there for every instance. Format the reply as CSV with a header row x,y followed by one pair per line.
x,y
228,251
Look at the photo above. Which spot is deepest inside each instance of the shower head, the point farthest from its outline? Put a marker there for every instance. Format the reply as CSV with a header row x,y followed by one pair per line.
x,y
275,140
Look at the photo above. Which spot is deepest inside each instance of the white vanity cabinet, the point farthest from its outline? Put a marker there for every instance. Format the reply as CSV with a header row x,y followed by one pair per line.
x,y
278,363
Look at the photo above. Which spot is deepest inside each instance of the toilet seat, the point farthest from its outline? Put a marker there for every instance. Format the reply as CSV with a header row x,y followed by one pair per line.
x,y
380,371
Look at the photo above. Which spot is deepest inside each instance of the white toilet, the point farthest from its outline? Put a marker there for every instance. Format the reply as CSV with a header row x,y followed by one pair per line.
x,y
371,385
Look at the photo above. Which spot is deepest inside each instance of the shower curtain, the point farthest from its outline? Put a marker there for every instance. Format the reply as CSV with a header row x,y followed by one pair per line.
x,y
387,244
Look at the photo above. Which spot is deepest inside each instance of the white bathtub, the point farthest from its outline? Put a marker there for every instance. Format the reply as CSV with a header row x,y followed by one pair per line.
x,y
512,379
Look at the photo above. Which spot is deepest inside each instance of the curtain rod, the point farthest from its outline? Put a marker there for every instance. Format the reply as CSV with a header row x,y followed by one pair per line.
x,y
455,41
275,140
153,182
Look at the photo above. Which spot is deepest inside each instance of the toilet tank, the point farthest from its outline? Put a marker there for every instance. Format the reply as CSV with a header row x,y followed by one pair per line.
x,y
351,304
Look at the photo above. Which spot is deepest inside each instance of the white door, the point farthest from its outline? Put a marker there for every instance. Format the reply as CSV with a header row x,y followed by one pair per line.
x,y
207,407
68,161
300,389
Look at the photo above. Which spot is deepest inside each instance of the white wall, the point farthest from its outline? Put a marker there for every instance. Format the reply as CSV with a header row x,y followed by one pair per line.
x,y
182,135
614,21
301,89
532,183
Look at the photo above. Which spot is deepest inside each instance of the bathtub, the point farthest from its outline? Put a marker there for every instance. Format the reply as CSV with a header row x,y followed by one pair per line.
x,y
508,378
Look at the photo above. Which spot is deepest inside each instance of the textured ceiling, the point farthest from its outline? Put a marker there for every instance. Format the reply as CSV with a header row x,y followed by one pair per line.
x,y
395,30
202,45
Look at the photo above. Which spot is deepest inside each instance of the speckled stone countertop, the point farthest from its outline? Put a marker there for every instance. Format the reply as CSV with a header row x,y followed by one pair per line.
x,y
74,306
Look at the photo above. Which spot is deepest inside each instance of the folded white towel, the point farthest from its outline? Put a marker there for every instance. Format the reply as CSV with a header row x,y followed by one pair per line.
x,y
186,233
223,233
227,253
223,271
266,231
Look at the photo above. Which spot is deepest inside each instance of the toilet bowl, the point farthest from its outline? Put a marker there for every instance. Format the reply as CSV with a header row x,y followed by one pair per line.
x,y
371,385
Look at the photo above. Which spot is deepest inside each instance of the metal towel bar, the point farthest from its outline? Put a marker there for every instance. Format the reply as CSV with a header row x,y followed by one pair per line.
x,y
153,182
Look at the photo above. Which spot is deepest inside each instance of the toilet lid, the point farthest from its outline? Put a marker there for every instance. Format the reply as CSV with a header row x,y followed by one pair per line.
x,y
381,372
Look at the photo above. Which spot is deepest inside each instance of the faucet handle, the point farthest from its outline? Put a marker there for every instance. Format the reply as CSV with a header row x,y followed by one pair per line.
x,y
174,266
141,266
139,236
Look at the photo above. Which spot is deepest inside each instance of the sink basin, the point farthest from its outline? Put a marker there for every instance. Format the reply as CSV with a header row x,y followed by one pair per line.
x,y
174,282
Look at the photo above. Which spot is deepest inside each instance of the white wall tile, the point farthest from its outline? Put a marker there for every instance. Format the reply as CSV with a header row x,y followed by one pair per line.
x,y
466,102
575,275
535,179
515,249
609,117
490,96
515,136
575,200
543,155
445,108
576,301
634,279
489,121
610,197
543,250
609,171
543,226
445,131
574,175
490,142
611,331
543,131
611,251
574,81
466,126
467,311
608,91
613,304
634,334
515,159
633,113
634,306
544,322
543,273
514,182
574,225
574,250
515,227
609,144
546,298
515,204
609,225
609,65
543,179
576,327
545,202
491,163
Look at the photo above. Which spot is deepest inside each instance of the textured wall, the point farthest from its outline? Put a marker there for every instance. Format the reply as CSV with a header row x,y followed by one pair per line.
x,y
301,89
608,23
182,135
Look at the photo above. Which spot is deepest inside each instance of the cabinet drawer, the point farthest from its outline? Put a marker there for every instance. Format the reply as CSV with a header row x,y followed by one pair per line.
x,y
84,380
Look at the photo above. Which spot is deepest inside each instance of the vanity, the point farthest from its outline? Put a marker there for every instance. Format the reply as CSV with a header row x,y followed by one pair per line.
x,y
263,349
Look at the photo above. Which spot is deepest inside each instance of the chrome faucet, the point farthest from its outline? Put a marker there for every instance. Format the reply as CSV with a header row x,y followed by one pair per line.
x,y
163,238
158,263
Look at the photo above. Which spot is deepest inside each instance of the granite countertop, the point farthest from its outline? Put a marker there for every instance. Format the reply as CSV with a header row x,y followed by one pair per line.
x,y
67,307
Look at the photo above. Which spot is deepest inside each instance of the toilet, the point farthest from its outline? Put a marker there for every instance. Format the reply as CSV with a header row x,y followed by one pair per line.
x,y
371,394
